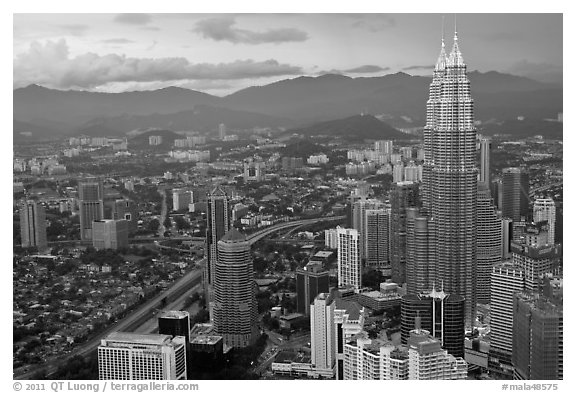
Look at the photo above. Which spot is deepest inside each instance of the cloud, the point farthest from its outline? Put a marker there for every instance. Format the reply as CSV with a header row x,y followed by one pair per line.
x,y
543,72
222,29
372,22
418,67
50,65
74,29
133,19
117,41
366,69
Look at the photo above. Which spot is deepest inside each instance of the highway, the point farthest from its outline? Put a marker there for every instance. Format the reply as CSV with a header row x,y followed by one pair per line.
x,y
128,323
545,187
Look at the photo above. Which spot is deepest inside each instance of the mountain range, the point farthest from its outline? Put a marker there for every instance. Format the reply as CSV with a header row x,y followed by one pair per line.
x,y
295,103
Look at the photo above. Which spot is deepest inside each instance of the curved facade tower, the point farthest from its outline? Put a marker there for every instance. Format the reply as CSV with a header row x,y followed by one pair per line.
x,y
451,177
235,310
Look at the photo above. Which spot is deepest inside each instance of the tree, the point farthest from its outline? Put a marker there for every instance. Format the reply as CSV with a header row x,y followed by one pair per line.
x,y
167,222
153,225
181,223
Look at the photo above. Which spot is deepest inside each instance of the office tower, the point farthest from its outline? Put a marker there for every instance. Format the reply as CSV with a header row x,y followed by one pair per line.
x,y
310,281
485,147
91,205
377,240
514,193
359,219
349,264
385,147
111,234
403,195
322,334
440,313
175,323
420,252
506,280
125,209
545,210
450,177
538,337
489,242
536,261
221,130
32,224
349,319
507,234
217,225
235,311
428,361
374,359
331,237
133,356
181,198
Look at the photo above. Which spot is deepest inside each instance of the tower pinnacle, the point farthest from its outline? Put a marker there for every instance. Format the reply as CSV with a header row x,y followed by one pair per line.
x,y
442,58
455,58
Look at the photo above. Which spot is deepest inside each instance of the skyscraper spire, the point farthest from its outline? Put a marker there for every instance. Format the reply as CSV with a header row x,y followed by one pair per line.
x,y
441,63
455,57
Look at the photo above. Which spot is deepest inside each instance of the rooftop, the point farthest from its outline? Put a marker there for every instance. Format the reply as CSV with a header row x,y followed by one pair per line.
x,y
210,340
173,314
233,235
139,338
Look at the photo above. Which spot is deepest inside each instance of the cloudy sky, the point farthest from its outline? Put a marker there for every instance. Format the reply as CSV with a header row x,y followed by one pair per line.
x,y
222,53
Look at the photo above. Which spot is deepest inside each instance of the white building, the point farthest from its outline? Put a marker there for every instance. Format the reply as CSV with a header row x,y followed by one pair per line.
x,y
331,238
366,359
133,356
181,198
155,140
545,210
323,334
318,159
428,361
349,263
385,147
398,172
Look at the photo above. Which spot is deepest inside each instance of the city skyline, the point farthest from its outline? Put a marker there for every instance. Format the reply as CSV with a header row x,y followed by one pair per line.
x,y
223,53
404,227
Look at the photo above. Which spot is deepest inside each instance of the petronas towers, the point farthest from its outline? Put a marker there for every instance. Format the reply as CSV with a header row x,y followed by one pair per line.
x,y
450,181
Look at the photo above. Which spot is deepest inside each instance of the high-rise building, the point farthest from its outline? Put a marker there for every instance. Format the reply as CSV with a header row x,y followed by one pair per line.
x,y
33,224
349,263
217,225
222,131
175,323
489,242
420,252
376,231
536,261
322,334
402,196
312,280
385,147
111,234
125,209
440,313
254,170
485,147
133,356
514,193
506,280
428,361
181,198
545,210
235,311
450,177
538,337
398,172
374,359
155,140
91,205
507,234
349,319
359,219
